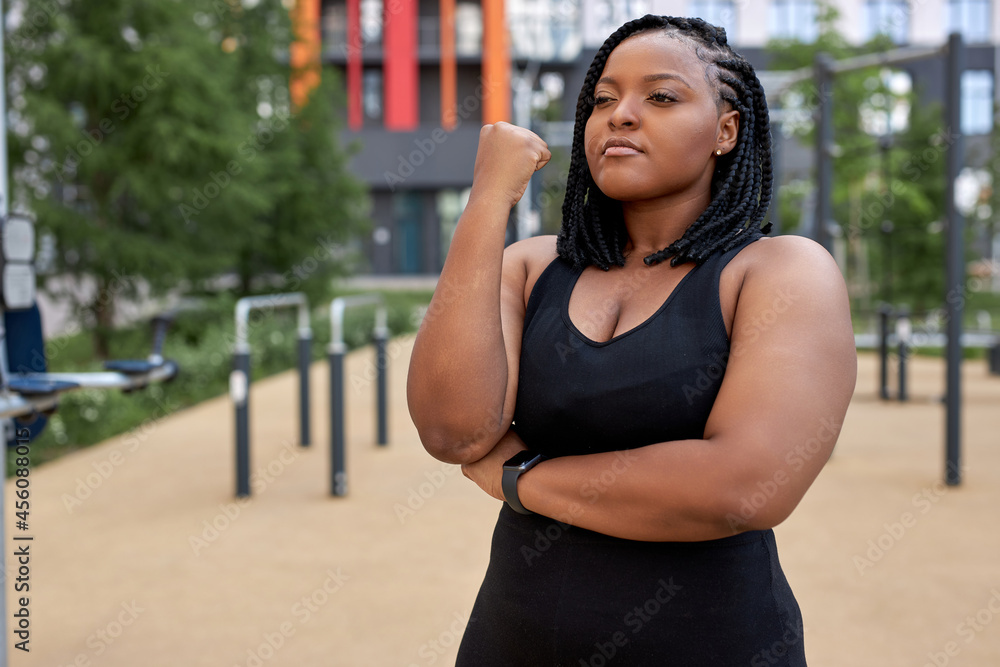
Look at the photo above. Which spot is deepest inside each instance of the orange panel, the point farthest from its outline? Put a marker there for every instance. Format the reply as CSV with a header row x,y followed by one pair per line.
x,y
496,63
449,67
305,51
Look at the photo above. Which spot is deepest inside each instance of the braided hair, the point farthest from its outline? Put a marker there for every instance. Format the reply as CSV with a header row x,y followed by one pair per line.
x,y
593,229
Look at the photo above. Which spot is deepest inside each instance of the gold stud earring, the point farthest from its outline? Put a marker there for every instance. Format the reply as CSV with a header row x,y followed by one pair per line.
x,y
718,151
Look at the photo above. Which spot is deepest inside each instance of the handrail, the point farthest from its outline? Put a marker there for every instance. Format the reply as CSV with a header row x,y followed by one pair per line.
x,y
248,303
337,308
15,405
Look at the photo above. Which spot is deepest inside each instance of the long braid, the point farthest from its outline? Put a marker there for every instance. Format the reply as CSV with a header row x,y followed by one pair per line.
x,y
593,231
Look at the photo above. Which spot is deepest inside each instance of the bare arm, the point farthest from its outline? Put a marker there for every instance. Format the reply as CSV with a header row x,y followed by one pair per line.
x,y
778,414
463,371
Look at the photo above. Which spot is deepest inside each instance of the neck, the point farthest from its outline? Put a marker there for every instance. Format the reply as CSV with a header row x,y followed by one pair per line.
x,y
654,225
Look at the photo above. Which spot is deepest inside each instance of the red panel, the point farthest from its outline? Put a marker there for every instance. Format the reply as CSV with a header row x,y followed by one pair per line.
x,y
401,71
354,45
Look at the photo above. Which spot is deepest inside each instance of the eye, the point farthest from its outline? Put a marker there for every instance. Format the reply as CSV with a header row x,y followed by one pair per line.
x,y
662,96
599,99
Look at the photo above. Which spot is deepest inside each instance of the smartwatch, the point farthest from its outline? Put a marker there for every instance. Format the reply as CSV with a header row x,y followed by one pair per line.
x,y
513,468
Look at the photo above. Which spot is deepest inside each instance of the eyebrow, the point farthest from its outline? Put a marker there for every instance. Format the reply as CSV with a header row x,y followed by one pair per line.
x,y
649,78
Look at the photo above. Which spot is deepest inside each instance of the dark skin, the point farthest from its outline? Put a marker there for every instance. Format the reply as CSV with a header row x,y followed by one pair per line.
x,y
793,365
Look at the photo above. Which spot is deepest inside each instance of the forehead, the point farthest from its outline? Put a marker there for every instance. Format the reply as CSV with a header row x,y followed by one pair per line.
x,y
657,52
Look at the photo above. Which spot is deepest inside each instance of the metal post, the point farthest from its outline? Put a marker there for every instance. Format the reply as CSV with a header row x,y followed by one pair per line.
x,y
239,379
381,335
954,262
884,312
903,331
305,357
338,470
4,424
777,169
239,389
824,149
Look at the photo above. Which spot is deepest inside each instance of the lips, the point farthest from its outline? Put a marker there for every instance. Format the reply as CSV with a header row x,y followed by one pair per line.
x,y
620,146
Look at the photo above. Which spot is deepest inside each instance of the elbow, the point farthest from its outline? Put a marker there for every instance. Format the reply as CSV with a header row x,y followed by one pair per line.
x,y
452,446
759,506
446,449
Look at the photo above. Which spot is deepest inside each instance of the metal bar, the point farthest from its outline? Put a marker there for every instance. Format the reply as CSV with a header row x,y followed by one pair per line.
x,y
954,263
777,169
108,379
338,469
239,385
305,357
894,57
15,405
239,389
342,303
271,301
336,350
4,209
381,336
824,149
884,312
903,330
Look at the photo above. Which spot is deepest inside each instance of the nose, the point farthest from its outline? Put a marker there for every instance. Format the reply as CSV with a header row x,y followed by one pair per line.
x,y
625,114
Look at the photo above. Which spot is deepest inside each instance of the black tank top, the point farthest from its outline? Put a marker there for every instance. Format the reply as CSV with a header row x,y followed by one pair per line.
x,y
654,383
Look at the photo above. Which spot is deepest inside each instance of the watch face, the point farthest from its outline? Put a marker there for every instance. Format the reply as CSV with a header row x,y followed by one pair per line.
x,y
519,459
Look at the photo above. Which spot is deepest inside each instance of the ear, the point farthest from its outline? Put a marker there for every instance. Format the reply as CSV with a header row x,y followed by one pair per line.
x,y
729,130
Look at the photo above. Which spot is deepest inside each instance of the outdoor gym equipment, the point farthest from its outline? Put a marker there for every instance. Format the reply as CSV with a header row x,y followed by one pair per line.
x,y
239,379
337,350
822,73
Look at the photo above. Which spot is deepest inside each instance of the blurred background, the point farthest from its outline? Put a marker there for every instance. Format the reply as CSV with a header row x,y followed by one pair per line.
x,y
176,156
189,153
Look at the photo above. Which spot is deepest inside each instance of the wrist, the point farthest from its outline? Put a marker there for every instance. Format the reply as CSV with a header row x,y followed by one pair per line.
x,y
495,198
513,470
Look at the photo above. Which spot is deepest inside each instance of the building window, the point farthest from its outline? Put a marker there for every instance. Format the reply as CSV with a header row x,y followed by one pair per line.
x,y
371,22
971,18
468,29
371,94
887,17
721,13
977,102
544,30
793,19
609,15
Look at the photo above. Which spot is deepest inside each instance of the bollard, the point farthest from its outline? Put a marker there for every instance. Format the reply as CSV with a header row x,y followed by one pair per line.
x,y
305,341
338,470
381,336
239,389
903,331
884,312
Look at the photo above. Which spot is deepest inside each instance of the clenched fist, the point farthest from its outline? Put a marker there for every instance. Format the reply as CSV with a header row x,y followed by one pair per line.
x,y
507,157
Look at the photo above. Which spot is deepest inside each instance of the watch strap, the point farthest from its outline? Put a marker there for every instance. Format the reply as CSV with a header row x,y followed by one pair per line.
x,y
508,483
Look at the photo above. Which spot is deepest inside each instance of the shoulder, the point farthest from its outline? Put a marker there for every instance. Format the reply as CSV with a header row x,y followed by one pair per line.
x,y
525,260
792,261
794,280
785,260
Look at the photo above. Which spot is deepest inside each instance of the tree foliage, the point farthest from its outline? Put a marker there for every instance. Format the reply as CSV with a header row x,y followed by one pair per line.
x,y
155,141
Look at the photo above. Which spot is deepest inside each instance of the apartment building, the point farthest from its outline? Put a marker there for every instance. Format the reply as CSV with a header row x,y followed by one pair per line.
x,y
422,76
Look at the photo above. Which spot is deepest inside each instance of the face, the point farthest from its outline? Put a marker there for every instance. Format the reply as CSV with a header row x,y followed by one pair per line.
x,y
655,125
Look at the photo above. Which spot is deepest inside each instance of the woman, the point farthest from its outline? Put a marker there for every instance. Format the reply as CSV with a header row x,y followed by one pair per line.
x,y
657,418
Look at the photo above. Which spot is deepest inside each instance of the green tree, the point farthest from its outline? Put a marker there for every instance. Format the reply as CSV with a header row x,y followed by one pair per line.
x,y
154,141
